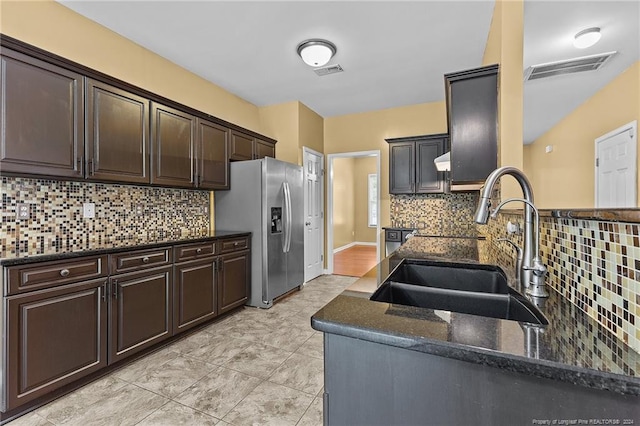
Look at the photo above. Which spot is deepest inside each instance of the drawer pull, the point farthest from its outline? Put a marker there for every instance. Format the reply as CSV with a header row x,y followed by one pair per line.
x,y
64,273
145,259
199,250
236,244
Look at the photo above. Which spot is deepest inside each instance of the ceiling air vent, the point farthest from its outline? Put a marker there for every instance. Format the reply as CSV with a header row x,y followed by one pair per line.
x,y
567,66
329,69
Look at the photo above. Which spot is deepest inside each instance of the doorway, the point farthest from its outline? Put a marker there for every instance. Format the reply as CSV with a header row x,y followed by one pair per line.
x,y
335,197
616,168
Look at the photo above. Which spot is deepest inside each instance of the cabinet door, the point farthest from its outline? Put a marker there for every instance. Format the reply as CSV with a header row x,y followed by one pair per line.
x,y
235,278
117,134
472,102
212,156
264,149
53,338
140,311
241,147
428,178
194,293
402,168
172,135
41,118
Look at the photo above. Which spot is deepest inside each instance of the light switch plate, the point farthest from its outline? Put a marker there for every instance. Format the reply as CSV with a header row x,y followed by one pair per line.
x,y
88,210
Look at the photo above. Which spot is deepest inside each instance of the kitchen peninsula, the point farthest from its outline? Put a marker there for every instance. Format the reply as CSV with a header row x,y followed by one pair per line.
x,y
389,363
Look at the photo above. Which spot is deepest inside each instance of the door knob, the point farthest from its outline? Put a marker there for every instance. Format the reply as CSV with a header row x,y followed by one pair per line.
x,y
307,223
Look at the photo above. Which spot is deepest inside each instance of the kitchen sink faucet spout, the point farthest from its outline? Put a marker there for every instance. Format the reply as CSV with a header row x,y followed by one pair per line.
x,y
532,271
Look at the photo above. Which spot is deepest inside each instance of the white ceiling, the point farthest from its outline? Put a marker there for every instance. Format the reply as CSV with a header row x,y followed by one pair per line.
x,y
394,53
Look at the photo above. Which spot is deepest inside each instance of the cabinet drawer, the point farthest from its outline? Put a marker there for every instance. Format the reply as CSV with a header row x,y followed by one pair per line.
x,y
233,244
140,259
49,274
390,235
194,251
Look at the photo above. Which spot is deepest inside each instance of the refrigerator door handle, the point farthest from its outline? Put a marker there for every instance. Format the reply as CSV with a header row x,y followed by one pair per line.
x,y
287,225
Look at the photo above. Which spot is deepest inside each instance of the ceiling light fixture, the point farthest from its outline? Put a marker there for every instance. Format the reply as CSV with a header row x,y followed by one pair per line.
x,y
587,38
316,52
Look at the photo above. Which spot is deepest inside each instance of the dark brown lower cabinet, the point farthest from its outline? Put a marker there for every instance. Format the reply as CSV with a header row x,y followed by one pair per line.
x,y
194,293
234,281
54,337
140,312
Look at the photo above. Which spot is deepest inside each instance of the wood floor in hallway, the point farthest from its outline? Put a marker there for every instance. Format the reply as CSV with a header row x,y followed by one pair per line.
x,y
354,261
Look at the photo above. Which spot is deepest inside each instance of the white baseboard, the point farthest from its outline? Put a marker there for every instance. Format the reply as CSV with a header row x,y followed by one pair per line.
x,y
355,243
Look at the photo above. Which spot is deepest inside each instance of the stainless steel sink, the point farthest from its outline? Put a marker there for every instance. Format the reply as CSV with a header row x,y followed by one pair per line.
x,y
471,289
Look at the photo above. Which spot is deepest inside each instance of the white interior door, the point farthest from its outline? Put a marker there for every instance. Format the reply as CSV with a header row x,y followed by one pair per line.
x,y
616,178
313,213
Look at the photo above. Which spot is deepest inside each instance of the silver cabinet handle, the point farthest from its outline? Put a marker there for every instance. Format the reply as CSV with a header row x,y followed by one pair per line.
x,y
115,288
236,244
64,273
199,250
145,259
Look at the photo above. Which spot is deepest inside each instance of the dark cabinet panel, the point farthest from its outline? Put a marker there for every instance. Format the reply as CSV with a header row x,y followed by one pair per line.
x,y
241,147
264,149
212,156
402,168
472,110
428,178
117,134
41,118
235,276
54,337
173,136
411,166
140,311
194,293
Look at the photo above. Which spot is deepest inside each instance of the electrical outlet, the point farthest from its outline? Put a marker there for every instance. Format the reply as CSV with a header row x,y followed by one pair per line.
x,y
88,210
23,211
139,210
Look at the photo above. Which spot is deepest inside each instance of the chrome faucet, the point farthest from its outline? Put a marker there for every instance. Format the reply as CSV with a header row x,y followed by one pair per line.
x,y
532,271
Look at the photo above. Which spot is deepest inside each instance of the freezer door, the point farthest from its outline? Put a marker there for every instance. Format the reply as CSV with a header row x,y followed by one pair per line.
x,y
295,255
275,281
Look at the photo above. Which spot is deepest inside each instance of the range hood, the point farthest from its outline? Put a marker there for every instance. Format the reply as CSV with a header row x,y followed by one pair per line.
x,y
443,163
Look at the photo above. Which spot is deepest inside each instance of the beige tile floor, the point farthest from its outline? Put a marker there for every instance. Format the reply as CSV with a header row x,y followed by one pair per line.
x,y
255,367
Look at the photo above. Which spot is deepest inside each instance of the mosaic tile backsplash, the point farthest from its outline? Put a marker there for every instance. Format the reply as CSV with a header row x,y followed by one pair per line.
x,y
56,220
593,264
436,214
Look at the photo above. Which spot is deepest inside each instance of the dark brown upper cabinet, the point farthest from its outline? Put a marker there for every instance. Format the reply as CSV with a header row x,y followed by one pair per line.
x,y
264,149
173,136
241,147
245,147
411,166
212,156
472,113
117,124
41,118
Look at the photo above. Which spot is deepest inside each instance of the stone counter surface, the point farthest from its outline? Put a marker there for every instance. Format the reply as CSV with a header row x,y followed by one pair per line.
x,y
573,348
114,245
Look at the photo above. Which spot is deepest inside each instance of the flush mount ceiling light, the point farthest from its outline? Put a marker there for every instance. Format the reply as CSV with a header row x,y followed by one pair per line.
x,y
587,38
316,52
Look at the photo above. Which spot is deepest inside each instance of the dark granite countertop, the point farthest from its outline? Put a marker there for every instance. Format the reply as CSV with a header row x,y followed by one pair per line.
x,y
111,245
573,348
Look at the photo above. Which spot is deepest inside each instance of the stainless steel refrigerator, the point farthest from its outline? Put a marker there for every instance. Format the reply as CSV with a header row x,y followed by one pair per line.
x,y
266,198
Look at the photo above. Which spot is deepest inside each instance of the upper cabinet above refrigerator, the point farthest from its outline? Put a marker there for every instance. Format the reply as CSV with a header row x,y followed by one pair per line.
x,y
472,115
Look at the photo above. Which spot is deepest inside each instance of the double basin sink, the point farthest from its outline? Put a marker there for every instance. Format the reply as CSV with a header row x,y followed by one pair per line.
x,y
466,288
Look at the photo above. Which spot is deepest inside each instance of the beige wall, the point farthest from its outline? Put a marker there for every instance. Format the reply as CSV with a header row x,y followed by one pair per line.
x,y
565,178
281,122
505,47
368,131
363,166
311,131
343,202
57,29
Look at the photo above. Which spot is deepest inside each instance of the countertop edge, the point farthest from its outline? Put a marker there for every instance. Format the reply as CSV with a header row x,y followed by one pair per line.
x,y
94,252
516,364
